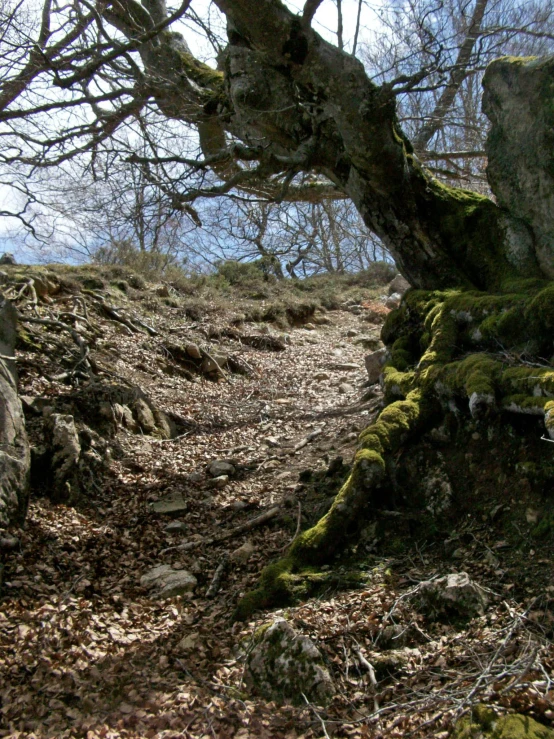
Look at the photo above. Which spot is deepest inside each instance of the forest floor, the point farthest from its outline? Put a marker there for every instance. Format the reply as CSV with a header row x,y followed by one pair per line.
x,y
85,651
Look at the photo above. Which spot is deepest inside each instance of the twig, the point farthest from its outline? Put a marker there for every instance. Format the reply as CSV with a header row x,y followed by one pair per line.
x,y
221,372
321,721
248,526
372,679
218,576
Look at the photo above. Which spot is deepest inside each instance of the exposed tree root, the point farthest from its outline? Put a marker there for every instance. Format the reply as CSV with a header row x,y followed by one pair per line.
x,y
458,354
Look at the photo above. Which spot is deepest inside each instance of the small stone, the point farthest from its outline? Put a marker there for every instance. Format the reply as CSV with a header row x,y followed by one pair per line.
x,y
271,441
218,362
172,503
453,594
220,467
320,376
345,388
398,285
144,416
369,342
349,438
195,477
188,642
238,505
374,364
218,482
176,527
351,332
345,366
393,301
309,327
193,351
165,582
243,553
532,515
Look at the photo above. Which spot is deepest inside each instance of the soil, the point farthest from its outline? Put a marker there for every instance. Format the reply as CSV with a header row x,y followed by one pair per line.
x,y
85,651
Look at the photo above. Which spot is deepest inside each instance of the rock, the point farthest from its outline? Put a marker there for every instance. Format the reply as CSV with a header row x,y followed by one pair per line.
x,y
218,482
284,665
345,366
485,723
195,477
393,301
221,467
374,364
517,99
437,490
172,503
188,642
193,351
15,456
271,441
66,451
392,661
452,595
7,258
351,333
124,416
368,342
398,285
144,416
320,376
212,365
167,582
345,388
44,287
243,553
176,527
310,327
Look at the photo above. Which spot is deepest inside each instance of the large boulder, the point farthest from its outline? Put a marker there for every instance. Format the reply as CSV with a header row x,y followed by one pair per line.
x,y
285,666
15,457
520,169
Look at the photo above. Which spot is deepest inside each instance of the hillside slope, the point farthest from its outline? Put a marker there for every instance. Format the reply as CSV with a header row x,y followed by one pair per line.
x,y
154,385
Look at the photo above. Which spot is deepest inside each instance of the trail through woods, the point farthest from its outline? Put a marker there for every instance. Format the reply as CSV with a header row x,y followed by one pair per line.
x,y
86,651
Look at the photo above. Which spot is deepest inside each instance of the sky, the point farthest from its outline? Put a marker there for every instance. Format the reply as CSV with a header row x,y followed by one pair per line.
x,y
325,23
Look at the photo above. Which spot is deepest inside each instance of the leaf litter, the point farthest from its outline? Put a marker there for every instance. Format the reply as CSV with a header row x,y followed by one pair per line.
x,y
85,652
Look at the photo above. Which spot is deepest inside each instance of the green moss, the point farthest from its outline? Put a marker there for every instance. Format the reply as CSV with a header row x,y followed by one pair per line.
x,y
284,580
485,723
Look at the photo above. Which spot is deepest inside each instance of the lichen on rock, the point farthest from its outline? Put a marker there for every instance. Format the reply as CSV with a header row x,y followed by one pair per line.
x,y
285,666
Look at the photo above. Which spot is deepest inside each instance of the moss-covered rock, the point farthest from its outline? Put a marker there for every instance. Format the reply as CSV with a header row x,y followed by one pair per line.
x,y
285,666
485,723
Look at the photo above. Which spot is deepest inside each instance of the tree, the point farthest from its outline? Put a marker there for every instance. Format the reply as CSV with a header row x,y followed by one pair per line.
x,y
290,116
